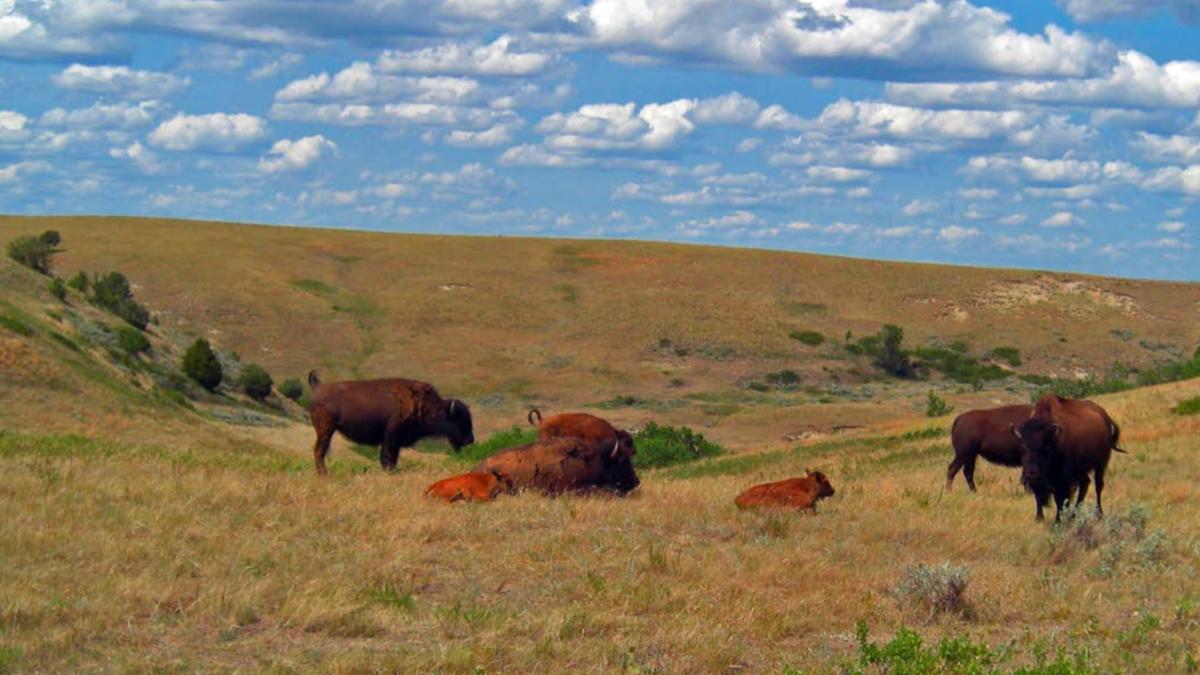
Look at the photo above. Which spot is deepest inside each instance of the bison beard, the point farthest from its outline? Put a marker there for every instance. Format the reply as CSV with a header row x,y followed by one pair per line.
x,y
557,465
390,414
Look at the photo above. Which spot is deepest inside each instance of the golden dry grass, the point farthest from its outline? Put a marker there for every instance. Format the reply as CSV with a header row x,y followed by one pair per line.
x,y
156,539
126,559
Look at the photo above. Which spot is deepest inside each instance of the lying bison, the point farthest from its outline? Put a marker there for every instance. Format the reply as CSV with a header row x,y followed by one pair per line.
x,y
567,464
1061,443
597,432
477,486
390,414
794,493
985,433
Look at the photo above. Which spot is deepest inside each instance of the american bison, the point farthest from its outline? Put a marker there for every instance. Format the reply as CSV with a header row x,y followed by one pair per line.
x,y
477,486
391,414
1061,443
985,433
795,493
568,464
595,431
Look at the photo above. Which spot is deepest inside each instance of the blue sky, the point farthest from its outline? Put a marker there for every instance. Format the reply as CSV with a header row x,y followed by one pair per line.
x,y
1029,134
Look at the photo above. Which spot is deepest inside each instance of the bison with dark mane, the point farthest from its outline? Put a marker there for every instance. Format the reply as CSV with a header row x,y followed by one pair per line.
x,y
390,414
1061,443
564,464
985,433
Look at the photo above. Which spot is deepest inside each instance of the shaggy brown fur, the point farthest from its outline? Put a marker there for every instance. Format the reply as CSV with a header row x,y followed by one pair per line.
x,y
793,493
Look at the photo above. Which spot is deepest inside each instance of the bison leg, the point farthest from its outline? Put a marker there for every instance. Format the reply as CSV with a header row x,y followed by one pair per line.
x,y
389,452
1099,488
952,469
1084,482
969,471
325,429
1062,493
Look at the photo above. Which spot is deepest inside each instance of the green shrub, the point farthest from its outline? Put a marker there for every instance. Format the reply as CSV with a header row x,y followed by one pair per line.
x,y
959,367
291,388
256,382
1010,354
200,364
57,288
808,337
499,440
132,341
624,401
79,282
936,406
659,446
15,325
784,378
36,253
112,292
1189,407
892,357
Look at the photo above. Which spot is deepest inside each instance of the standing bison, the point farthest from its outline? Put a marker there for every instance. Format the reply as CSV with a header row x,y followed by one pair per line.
x,y
391,414
985,433
1061,443
564,464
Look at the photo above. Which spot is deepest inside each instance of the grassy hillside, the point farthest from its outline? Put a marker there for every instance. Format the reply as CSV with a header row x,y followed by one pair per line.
x,y
145,532
149,557
681,331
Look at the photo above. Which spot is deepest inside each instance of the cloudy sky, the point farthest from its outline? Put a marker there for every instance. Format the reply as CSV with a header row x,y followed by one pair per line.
x,y
1035,134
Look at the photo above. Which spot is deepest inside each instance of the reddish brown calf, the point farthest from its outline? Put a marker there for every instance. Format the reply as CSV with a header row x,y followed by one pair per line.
x,y
477,486
793,493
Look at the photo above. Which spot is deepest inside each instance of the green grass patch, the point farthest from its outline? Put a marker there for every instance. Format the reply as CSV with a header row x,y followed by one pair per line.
x,y
662,446
15,325
623,401
499,440
804,308
958,366
807,337
64,341
1011,355
1189,407
313,286
568,293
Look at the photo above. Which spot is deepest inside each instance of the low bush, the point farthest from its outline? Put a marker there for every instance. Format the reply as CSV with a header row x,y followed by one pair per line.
x,y
79,282
57,288
292,389
959,367
938,590
808,337
113,292
256,382
659,446
201,365
1010,354
35,252
936,406
132,341
784,378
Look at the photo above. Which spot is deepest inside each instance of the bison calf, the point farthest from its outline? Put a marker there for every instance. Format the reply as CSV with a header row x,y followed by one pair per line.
x,y
477,486
794,493
389,414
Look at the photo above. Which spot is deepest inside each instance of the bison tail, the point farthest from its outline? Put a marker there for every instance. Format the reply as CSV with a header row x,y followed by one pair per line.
x,y
313,380
534,413
1116,434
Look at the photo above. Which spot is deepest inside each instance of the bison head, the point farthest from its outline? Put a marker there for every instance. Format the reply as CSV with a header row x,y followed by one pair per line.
x,y
457,425
824,487
621,475
1039,441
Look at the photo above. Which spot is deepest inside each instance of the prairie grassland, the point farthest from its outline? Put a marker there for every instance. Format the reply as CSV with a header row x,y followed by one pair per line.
x,y
508,322
124,557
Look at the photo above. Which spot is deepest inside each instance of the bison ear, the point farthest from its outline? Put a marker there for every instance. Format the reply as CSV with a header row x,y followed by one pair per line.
x,y
1013,429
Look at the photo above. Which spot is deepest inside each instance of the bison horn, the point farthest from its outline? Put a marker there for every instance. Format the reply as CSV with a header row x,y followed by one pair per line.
x,y
616,447
1013,429
452,404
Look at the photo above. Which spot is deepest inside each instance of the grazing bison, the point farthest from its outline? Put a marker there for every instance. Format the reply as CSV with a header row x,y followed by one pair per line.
x,y
1061,443
985,433
794,493
568,464
598,433
390,414
477,486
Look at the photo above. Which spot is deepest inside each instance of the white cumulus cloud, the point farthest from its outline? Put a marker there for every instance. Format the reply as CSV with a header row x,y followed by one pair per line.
x,y
289,155
120,81
218,131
